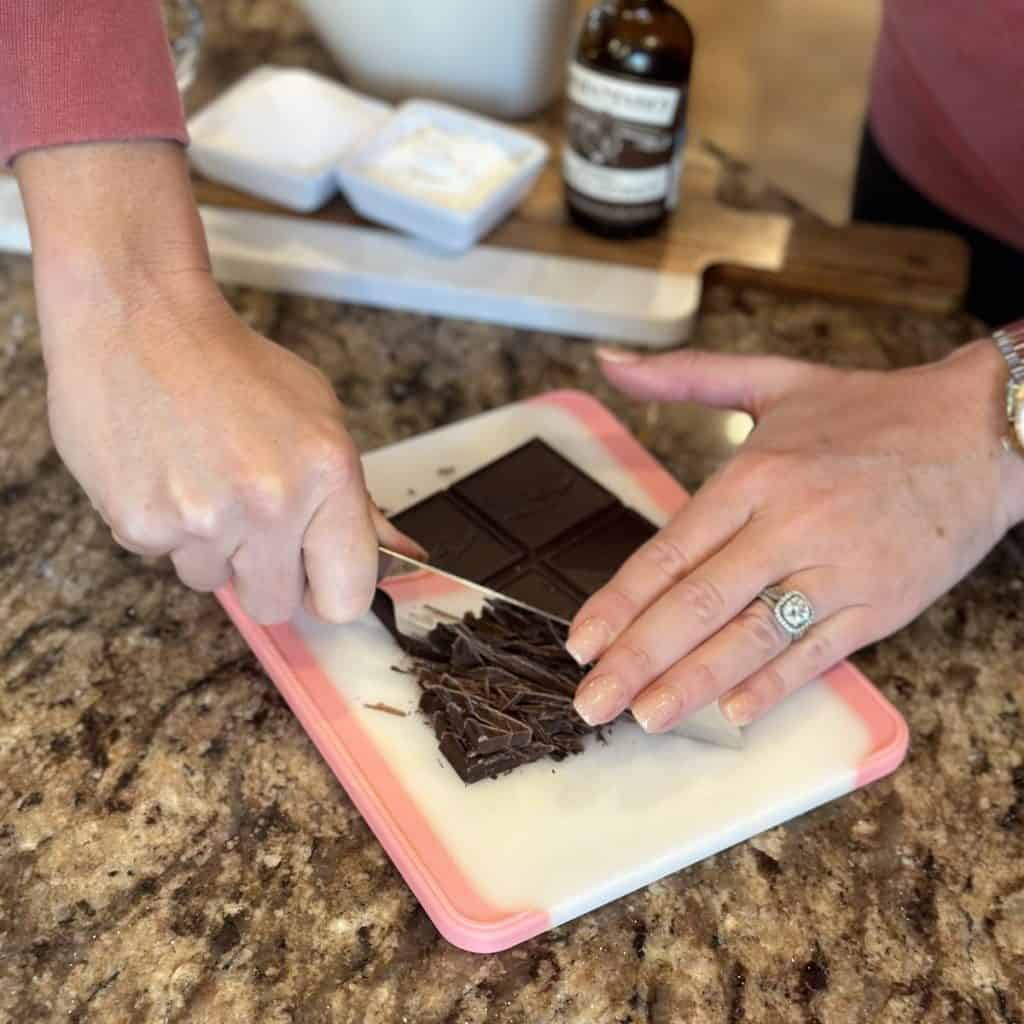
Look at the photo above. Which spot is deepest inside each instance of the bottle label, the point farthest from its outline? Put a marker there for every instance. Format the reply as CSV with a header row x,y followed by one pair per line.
x,y
622,155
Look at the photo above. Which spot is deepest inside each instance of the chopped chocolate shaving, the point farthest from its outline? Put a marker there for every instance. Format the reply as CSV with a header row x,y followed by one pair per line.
x,y
497,688
387,709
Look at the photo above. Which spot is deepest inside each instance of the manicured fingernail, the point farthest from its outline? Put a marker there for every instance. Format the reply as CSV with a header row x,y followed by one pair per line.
x,y
413,548
618,355
587,640
601,699
740,710
660,712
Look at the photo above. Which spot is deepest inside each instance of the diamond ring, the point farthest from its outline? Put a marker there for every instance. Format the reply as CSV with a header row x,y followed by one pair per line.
x,y
792,610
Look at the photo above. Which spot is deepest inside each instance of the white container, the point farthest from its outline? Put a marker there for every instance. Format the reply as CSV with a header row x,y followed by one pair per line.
x,y
505,58
453,218
279,133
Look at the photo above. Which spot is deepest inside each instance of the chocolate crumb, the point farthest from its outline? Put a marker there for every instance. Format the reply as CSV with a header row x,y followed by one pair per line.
x,y
387,709
446,471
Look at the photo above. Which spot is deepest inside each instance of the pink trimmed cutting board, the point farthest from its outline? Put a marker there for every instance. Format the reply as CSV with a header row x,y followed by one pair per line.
x,y
503,860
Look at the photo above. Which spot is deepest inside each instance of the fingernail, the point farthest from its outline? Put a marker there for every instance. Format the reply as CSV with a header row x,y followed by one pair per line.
x,y
413,548
660,712
587,640
600,700
740,710
617,355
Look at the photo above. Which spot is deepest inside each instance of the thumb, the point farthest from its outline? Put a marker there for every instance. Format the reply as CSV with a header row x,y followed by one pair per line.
x,y
750,383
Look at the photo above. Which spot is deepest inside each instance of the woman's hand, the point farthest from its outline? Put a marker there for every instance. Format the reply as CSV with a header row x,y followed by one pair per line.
x,y
192,435
870,493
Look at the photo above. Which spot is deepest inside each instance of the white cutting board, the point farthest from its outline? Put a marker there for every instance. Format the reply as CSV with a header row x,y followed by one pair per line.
x,y
489,283
503,860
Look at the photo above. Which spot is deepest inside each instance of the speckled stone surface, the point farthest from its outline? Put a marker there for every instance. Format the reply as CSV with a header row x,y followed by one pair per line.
x,y
172,847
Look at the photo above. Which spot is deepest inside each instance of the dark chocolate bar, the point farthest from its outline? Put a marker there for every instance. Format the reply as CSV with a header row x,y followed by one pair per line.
x,y
498,687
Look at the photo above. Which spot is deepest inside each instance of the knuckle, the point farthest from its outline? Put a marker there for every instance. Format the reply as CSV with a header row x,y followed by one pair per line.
x,y
132,529
702,599
760,628
819,651
703,683
329,455
265,498
611,605
637,657
816,510
763,470
203,579
769,686
201,520
664,555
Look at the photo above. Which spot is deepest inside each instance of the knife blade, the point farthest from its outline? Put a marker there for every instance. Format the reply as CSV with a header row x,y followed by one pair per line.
x,y
708,725
392,565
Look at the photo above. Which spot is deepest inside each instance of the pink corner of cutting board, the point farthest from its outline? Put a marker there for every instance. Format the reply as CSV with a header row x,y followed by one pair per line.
x,y
620,444
460,913
887,729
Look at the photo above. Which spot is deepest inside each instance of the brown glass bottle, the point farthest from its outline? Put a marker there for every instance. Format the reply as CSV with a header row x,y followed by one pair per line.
x,y
626,117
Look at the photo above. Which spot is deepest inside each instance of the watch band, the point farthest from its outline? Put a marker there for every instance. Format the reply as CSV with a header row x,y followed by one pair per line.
x,y
1010,341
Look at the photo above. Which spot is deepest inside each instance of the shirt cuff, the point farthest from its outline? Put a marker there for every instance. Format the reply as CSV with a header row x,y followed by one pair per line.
x,y
73,72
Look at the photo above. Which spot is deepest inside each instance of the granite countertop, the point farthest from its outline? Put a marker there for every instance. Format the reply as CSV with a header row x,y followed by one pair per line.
x,y
173,848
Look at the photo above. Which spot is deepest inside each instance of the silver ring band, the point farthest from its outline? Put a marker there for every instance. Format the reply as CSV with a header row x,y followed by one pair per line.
x,y
792,609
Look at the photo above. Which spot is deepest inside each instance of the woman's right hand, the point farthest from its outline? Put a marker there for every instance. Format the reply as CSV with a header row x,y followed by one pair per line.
x,y
192,435
197,438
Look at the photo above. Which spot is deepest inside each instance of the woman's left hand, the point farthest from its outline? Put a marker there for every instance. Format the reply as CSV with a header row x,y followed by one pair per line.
x,y
870,493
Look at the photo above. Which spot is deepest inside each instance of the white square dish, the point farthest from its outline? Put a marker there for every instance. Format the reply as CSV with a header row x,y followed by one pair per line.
x,y
278,133
440,173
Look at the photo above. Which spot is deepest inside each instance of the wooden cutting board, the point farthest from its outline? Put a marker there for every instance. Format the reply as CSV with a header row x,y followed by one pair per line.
x,y
914,268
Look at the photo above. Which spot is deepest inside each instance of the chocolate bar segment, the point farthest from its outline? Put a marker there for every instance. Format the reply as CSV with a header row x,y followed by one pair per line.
x,y
533,494
537,586
590,559
457,541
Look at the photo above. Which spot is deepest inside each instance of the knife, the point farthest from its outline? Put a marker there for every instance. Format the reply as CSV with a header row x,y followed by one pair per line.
x,y
708,725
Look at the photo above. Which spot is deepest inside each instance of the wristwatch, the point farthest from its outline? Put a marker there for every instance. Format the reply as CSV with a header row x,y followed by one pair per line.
x,y
1010,341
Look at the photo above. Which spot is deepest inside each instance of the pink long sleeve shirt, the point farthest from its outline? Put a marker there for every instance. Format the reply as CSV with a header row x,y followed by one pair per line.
x,y
947,98
85,71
